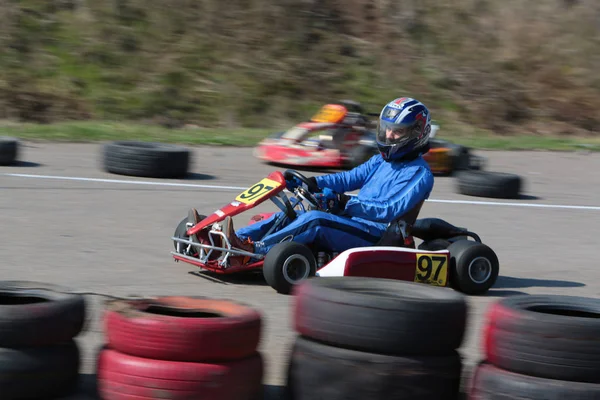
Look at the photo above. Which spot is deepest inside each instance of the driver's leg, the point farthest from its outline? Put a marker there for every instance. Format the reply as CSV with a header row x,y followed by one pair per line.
x,y
258,229
330,231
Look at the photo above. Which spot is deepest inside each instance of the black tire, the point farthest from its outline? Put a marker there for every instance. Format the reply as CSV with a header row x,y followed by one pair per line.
x,y
548,336
488,184
146,159
382,316
40,372
491,383
317,371
359,155
31,317
279,257
9,150
474,267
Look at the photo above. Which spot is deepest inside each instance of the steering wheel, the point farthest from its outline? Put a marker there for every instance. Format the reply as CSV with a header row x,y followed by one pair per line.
x,y
312,187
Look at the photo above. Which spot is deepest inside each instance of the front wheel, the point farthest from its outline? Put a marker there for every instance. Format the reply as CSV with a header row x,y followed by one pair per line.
x,y
180,232
475,267
288,264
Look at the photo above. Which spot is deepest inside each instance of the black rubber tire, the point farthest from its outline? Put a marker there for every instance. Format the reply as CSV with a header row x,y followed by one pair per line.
x,y
31,317
9,150
39,372
488,184
359,155
318,371
462,252
275,259
382,316
146,159
528,335
491,383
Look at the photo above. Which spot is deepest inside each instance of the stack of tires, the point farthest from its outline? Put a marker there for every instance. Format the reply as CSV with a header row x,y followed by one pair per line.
x,y
38,357
180,348
370,338
540,347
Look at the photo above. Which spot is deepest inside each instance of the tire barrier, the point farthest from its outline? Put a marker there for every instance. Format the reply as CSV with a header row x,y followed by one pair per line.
x,y
368,338
182,347
540,347
9,150
146,159
358,338
38,357
489,184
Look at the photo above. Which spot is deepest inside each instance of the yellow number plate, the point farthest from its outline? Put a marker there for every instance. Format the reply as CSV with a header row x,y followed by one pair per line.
x,y
258,191
329,113
432,269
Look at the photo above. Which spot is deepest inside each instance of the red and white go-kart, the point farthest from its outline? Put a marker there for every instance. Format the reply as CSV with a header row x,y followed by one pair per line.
x,y
448,256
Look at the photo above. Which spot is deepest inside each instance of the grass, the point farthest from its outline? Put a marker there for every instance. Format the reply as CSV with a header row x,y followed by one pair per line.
x,y
508,67
93,131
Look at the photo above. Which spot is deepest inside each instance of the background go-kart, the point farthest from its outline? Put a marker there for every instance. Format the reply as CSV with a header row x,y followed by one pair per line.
x,y
67,222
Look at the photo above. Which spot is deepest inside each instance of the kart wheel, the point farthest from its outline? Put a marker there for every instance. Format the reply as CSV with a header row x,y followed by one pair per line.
x,y
288,264
180,233
360,155
475,267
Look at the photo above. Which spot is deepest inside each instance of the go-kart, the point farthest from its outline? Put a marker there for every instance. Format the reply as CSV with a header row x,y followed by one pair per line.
x,y
332,138
342,135
448,256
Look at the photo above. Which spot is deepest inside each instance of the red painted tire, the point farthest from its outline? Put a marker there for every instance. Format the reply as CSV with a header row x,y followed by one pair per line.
x,y
193,329
125,377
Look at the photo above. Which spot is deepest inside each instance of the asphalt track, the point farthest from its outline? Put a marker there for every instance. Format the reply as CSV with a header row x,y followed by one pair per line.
x,y
66,222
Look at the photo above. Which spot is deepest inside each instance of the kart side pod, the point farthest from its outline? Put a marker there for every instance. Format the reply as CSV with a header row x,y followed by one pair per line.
x,y
467,266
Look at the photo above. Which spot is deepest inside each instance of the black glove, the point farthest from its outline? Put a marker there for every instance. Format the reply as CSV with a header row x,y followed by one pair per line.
x,y
342,200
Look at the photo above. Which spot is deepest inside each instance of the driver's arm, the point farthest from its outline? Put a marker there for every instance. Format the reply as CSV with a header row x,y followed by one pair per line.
x,y
347,181
395,203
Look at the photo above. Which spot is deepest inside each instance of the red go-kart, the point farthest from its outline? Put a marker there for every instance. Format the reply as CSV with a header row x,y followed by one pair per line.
x,y
448,256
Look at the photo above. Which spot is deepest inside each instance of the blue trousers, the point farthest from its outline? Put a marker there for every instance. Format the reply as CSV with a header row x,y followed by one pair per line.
x,y
332,232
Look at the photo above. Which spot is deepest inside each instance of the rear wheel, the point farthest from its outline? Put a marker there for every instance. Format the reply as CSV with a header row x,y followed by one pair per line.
x,y
359,155
475,267
288,264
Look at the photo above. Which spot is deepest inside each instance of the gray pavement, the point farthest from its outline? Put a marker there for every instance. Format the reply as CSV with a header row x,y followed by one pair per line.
x,y
113,238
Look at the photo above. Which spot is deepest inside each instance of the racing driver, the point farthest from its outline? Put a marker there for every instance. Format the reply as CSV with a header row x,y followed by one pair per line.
x,y
391,184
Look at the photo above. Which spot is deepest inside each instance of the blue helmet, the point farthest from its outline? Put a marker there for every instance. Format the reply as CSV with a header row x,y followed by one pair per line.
x,y
404,126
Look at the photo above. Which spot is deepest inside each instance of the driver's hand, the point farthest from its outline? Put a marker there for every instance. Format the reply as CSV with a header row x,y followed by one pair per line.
x,y
293,183
327,199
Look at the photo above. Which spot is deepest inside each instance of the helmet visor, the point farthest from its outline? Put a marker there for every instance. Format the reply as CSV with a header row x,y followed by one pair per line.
x,y
389,133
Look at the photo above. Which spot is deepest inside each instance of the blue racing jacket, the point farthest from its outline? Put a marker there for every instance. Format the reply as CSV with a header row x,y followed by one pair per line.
x,y
387,189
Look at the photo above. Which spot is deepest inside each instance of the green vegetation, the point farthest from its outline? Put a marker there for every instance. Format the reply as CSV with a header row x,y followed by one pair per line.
x,y
88,131
507,68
